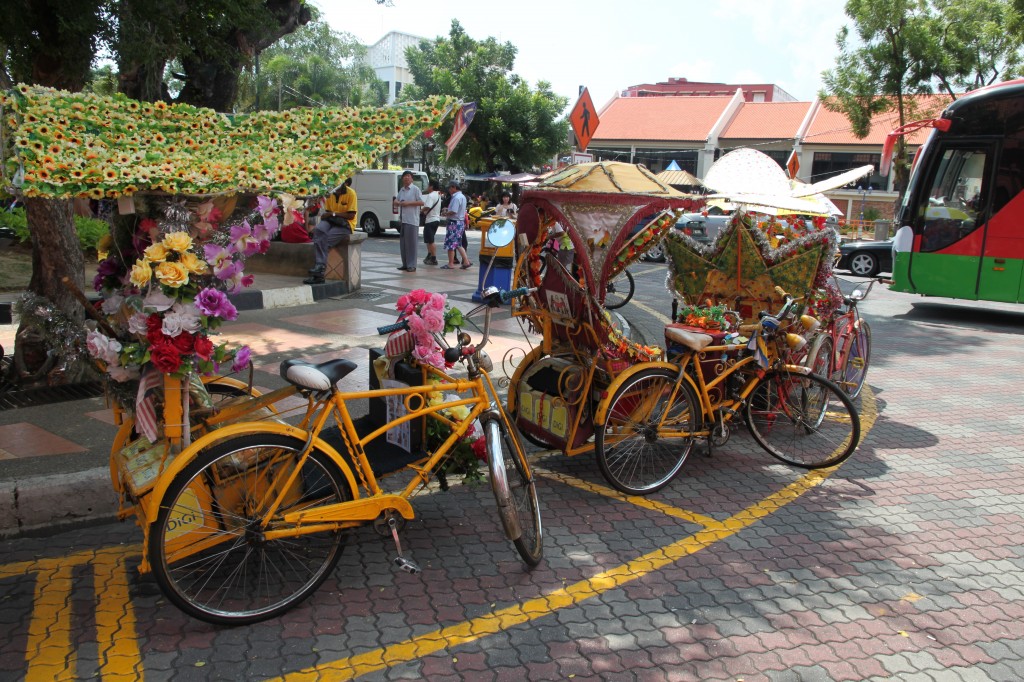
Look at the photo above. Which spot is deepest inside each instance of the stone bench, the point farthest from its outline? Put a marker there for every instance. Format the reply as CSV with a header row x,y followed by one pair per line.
x,y
344,261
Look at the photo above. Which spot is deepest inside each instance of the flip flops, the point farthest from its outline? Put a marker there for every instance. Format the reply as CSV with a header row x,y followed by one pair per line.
x,y
447,267
466,266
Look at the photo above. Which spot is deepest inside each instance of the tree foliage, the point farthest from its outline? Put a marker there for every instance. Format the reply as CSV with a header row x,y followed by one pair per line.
x,y
212,39
55,43
313,66
897,49
515,127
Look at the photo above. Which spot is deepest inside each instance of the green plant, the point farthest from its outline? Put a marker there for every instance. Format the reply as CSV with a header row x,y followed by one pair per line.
x,y
17,221
90,230
872,214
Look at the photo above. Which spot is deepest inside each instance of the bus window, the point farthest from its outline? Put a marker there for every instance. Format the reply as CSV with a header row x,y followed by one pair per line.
x,y
956,199
1009,174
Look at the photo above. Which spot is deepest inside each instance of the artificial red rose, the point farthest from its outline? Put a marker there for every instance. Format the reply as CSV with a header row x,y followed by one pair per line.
x,y
184,342
154,330
165,357
480,448
203,347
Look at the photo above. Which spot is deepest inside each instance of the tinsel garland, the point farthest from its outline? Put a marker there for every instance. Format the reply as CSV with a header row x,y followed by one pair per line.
x,y
772,256
177,217
62,336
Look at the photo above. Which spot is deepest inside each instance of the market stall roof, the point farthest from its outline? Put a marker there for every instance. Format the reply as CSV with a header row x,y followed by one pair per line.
x,y
515,177
66,144
608,177
747,171
753,179
679,177
835,182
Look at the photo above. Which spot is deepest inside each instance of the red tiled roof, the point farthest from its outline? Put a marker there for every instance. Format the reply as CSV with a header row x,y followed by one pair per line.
x,y
831,127
660,118
767,120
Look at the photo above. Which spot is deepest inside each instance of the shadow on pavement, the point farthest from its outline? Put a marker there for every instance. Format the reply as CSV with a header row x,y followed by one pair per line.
x,y
982,319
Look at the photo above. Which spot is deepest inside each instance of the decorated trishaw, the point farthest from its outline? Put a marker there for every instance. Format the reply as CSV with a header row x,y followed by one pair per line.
x,y
578,230
581,388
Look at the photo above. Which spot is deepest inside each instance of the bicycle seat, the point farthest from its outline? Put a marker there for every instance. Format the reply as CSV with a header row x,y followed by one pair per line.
x,y
695,341
316,376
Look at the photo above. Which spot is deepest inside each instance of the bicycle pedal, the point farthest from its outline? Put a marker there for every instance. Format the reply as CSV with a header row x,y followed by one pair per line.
x,y
407,565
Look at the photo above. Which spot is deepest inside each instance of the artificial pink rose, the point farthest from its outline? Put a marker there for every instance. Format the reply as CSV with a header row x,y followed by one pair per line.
x,y
433,320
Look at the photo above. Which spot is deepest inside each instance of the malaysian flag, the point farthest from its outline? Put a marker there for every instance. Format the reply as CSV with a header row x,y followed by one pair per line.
x,y
462,121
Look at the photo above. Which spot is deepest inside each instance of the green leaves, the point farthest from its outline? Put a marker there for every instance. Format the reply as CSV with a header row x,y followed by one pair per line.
x,y
516,127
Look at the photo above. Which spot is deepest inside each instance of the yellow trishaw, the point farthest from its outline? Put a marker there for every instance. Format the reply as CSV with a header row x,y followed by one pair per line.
x,y
578,230
582,385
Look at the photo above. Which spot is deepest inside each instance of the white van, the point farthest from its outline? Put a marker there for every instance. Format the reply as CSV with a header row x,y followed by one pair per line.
x,y
375,190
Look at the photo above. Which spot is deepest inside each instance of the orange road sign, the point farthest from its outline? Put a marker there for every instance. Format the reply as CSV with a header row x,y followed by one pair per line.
x,y
793,165
584,119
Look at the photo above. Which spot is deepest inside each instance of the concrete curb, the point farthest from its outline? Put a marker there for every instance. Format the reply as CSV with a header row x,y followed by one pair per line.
x,y
54,502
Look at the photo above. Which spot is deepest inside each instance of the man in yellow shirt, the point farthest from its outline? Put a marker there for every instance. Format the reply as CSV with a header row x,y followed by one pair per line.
x,y
337,222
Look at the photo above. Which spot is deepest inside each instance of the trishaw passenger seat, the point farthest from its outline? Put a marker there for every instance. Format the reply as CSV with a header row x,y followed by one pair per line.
x,y
318,377
692,340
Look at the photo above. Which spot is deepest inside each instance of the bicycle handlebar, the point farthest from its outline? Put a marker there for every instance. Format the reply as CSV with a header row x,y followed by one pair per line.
x,y
397,326
507,296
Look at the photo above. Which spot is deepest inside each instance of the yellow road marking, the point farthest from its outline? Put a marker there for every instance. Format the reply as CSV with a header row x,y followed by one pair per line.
x,y
115,620
49,652
645,502
664,319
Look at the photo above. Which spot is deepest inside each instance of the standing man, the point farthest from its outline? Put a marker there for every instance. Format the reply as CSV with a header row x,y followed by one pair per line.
x,y
408,202
456,227
337,220
431,220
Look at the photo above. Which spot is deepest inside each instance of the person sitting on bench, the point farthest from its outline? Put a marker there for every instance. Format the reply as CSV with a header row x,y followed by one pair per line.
x,y
337,222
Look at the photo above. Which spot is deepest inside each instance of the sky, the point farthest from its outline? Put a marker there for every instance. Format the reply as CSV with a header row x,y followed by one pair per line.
x,y
608,46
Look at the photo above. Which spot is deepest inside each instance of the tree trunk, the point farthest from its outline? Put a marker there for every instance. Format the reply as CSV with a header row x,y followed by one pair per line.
x,y
56,254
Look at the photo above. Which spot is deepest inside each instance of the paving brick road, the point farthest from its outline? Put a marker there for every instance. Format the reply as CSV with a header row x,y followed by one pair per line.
x,y
907,562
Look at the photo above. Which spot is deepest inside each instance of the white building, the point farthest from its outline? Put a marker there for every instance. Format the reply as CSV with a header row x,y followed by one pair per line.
x,y
387,57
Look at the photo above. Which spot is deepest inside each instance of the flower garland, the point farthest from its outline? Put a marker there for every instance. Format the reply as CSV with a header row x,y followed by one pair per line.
x,y
711,317
75,144
165,290
825,296
466,455
427,315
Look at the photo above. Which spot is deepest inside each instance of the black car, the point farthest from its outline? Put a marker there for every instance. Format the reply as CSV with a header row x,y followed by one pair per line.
x,y
866,259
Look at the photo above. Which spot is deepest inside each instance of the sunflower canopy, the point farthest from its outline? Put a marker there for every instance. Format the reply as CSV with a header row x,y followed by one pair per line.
x,y
61,144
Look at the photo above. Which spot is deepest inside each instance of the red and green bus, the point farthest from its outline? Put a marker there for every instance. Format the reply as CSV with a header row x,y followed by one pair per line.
x,y
962,217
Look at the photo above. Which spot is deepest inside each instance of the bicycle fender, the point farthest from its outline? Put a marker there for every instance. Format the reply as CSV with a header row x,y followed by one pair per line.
x,y
601,413
186,457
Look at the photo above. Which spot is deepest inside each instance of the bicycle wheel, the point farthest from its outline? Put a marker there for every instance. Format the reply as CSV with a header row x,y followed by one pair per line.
x,y
648,433
619,290
803,420
855,368
516,493
207,549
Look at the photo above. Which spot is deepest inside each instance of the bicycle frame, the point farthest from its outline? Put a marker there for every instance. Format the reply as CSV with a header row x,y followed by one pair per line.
x,y
369,501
